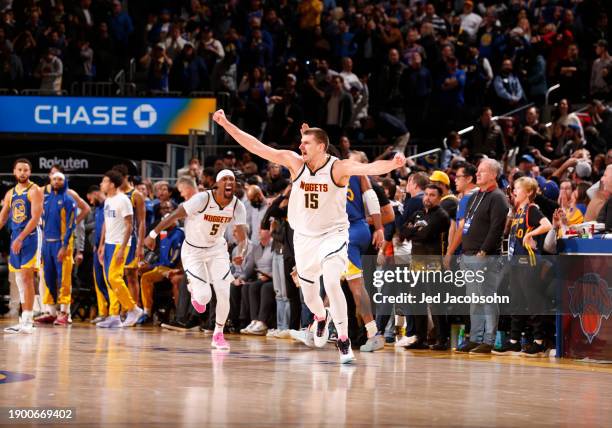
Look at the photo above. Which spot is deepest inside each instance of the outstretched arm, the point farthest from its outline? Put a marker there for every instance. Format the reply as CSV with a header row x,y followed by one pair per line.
x,y
287,158
343,169
176,215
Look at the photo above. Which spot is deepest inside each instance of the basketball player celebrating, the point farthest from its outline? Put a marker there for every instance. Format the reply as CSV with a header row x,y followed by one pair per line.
x,y
204,252
24,204
317,213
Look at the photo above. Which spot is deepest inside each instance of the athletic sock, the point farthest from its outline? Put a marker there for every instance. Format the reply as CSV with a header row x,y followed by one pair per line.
x,y
27,317
147,312
52,309
539,341
513,341
371,329
65,308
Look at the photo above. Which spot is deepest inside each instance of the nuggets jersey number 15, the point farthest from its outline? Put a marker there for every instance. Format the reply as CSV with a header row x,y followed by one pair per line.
x,y
317,205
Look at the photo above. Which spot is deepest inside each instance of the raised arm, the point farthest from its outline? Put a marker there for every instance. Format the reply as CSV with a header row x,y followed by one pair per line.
x,y
287,158
343,169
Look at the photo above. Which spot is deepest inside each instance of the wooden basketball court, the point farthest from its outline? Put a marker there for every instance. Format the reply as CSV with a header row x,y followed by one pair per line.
x,y
159,378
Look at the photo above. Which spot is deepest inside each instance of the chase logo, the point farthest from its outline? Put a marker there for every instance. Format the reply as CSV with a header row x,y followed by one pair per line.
x,y
591,300
145,116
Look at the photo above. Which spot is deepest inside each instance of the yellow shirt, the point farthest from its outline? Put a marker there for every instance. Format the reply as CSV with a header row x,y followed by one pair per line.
x,y
310,13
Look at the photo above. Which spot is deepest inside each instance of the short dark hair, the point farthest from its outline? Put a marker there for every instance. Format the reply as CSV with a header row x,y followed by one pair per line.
x,y
115,177
58,167
122,169
468,169
389,184
93,188
209,171
22,160
435,187
319,135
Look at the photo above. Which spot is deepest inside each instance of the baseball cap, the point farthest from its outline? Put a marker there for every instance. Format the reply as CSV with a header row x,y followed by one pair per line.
x,y
230,154
528,158
440,177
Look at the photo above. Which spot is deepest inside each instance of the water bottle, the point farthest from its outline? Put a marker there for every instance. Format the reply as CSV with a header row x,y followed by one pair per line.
x,y
461,338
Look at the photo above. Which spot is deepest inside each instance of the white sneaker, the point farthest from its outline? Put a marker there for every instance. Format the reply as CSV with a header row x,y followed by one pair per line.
x,y
271,332
259,329
305,336
132,317
345,351
97,319
27,328
405,341
283,334
113,321
247,329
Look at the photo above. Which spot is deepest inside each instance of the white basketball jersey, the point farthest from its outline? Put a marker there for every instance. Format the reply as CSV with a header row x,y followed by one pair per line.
x,y
317,205
207,219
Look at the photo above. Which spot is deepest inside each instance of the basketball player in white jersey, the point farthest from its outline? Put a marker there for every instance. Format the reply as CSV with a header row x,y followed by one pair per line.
x,y
317,213
204,252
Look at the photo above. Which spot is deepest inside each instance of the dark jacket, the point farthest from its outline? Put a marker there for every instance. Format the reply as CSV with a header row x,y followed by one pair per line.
x,y
488,212
426,229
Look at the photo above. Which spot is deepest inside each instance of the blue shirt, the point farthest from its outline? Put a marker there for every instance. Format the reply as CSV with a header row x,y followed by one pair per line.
x,y
21,210
99,222
170,247
354,200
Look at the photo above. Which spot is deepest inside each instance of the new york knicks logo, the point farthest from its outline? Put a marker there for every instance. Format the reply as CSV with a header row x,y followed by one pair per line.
x,y
19,211
591,300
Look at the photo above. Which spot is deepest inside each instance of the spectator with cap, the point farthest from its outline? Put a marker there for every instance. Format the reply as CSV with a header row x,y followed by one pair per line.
x,y
601,73
448,201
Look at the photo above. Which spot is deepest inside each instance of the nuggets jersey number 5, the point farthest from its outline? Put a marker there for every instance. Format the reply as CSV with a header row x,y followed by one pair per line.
x,y
317,205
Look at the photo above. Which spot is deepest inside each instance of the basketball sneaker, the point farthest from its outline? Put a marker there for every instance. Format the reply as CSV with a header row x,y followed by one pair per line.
x,y
198,306
219,342
508,349
305,336
113,321
373,344
535,350
344,348
405,341
22,327
259,329
97,319
62,319
45,318
132,317
321,333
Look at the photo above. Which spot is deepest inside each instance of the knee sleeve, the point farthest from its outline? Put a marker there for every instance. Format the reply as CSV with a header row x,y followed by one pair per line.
x,y
21,285
332,269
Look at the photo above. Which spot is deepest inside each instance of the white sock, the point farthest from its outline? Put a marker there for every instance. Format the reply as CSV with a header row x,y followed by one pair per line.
x,y
539,341
27,317
513,341
65,308
147,311
371,329
52,309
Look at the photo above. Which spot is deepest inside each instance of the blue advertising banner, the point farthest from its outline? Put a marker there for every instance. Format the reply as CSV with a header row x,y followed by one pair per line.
x,y
104,116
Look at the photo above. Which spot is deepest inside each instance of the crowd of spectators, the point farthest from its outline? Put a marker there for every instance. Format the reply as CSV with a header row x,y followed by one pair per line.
x,y
342,65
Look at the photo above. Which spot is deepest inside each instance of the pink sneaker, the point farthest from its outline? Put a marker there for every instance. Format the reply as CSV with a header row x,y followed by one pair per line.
x,y
219,342
45,319
198,307
62,319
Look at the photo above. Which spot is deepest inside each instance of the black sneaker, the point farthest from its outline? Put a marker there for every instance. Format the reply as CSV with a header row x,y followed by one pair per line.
x,y
346,353
466,347
483,348
535,350
508,348
416,346
439,346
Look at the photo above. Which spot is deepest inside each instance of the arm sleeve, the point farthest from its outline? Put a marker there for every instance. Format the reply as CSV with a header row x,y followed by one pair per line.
x,y
239,213
79,236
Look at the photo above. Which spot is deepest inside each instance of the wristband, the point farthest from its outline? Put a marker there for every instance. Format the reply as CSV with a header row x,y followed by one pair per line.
x,y
152,234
